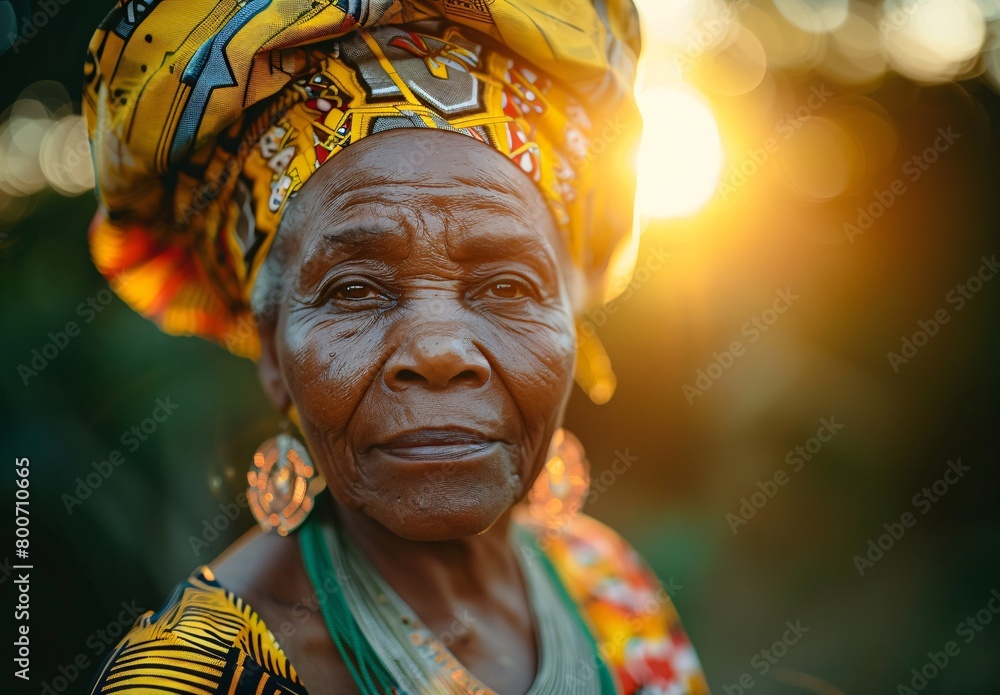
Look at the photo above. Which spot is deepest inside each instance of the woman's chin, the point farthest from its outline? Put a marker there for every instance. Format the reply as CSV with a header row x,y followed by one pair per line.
x,y
450,515
444,500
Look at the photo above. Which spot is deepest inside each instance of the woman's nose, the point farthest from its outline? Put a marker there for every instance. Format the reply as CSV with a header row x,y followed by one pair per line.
x,y
437,360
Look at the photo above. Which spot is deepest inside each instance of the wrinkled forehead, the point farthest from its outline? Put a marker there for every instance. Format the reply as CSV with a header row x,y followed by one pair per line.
x,y
455,178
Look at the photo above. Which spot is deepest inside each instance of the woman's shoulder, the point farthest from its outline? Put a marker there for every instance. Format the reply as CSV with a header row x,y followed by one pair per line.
x,y
600,563
631,612
204,639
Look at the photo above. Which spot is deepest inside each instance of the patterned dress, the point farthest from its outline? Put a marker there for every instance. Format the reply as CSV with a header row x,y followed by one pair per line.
x,y
208,640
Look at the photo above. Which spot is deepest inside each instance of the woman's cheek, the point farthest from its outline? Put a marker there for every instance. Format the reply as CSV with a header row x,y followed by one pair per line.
x,y
320,382
540,377
324,386
546,358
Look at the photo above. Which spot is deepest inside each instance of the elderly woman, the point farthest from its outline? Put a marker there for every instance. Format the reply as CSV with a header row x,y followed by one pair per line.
x,y
397,209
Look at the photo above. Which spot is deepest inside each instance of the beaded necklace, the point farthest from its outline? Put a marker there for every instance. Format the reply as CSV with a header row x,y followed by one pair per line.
x,y
388,649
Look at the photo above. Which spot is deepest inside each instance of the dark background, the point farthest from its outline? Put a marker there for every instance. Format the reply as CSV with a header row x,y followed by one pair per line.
x,y
825,357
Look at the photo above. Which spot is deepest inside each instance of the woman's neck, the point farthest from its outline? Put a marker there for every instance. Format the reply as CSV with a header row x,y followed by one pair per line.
x,y
469,591
437,575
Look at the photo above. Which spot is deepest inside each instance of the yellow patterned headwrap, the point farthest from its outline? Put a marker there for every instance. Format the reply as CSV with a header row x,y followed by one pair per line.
x,y
207,116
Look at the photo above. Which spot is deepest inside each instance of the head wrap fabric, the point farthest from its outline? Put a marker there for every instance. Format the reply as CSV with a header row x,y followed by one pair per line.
x,y
206,117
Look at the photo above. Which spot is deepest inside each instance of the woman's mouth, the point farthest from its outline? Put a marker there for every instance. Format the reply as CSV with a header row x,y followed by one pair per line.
x,y
435,445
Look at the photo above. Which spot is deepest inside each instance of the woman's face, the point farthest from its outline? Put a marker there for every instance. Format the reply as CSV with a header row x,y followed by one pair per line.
x,y
424,332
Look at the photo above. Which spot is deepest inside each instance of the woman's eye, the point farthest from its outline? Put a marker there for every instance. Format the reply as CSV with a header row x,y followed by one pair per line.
x,y
355,290
508,289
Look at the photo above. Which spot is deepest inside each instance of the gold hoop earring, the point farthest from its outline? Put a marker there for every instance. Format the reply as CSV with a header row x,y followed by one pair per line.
x,y
282,483
560,490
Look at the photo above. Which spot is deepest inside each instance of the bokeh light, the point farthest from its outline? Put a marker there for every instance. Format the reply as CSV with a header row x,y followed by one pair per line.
x,y
855,54
814,15
681,155
933,40
43,149
820,161
65,156
736,68
700,56
786,45
20,142
873,133
691,25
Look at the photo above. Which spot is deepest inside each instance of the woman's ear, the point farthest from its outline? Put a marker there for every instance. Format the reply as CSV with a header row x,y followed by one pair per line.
x,y
269,367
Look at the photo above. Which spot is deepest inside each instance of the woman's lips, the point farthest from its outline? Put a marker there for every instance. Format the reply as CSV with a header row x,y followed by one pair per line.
x,y
435,445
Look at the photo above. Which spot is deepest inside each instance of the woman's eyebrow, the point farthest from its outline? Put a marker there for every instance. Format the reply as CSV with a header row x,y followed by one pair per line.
x,y
527,248
489,205
505,202
352,240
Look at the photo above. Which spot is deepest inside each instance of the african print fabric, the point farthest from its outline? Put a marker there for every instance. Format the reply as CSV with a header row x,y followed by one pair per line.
x,y
207,640
204,640
206,117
